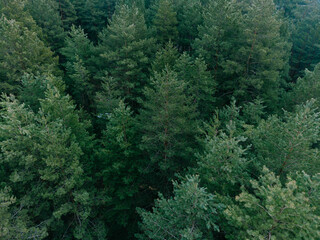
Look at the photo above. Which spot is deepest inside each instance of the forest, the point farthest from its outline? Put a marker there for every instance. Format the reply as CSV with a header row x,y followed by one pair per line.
x,y
160,119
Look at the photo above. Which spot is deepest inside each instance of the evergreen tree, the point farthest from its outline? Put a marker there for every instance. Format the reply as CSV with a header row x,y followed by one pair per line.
x,y
243,45
166,56
15,10
119,166
165,22
50,22
43,154
201,85
21,51
288,145
14,222
79,54
167,122
93,15
223,165
126,50
189,16
305,38
273,211
305,88
67,13
191,214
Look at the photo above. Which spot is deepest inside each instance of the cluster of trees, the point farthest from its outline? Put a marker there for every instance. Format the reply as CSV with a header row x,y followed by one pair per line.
x,y
159,119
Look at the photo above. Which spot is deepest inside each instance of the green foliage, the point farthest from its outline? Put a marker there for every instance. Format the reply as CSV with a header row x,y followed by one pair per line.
x,y
305,88
189,16
50,22
288,145
119,166
305,38
79,55
273,211
223,164
126,50
43,154
67,13
167,122
165,22
243,45
14,223
93,15
191,214
21,51
201,84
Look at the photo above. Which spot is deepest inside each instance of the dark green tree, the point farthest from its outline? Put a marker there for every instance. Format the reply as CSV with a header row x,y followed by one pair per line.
x,y
67,13
21,51
191,214
274,210
165,22
46,15
44,155
125,51
285,145
168,126
243,45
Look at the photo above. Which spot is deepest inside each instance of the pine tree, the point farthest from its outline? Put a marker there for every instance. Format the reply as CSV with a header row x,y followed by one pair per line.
x,y
14,223
305,38
305,88
166,56
285,145
93,15
15,10
223,165
21,51
126,50
119,168
191,214
274,211
201,84
165,22
167,122
189,16
79,54
50,22
67,13
245,49
44,155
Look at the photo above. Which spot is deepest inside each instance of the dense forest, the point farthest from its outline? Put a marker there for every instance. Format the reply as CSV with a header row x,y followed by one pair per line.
x,y
160,119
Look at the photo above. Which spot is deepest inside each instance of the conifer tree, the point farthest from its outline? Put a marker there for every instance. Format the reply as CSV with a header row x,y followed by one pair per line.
x,y
305,88
165,22
14,223
168,126
16,10
243,45
191,214
79,54
93,15
126,50
223,165
67,13
288,145
200,82
274,210
305,38
189,16
50,22
21,51
166,56
44,156
120,162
